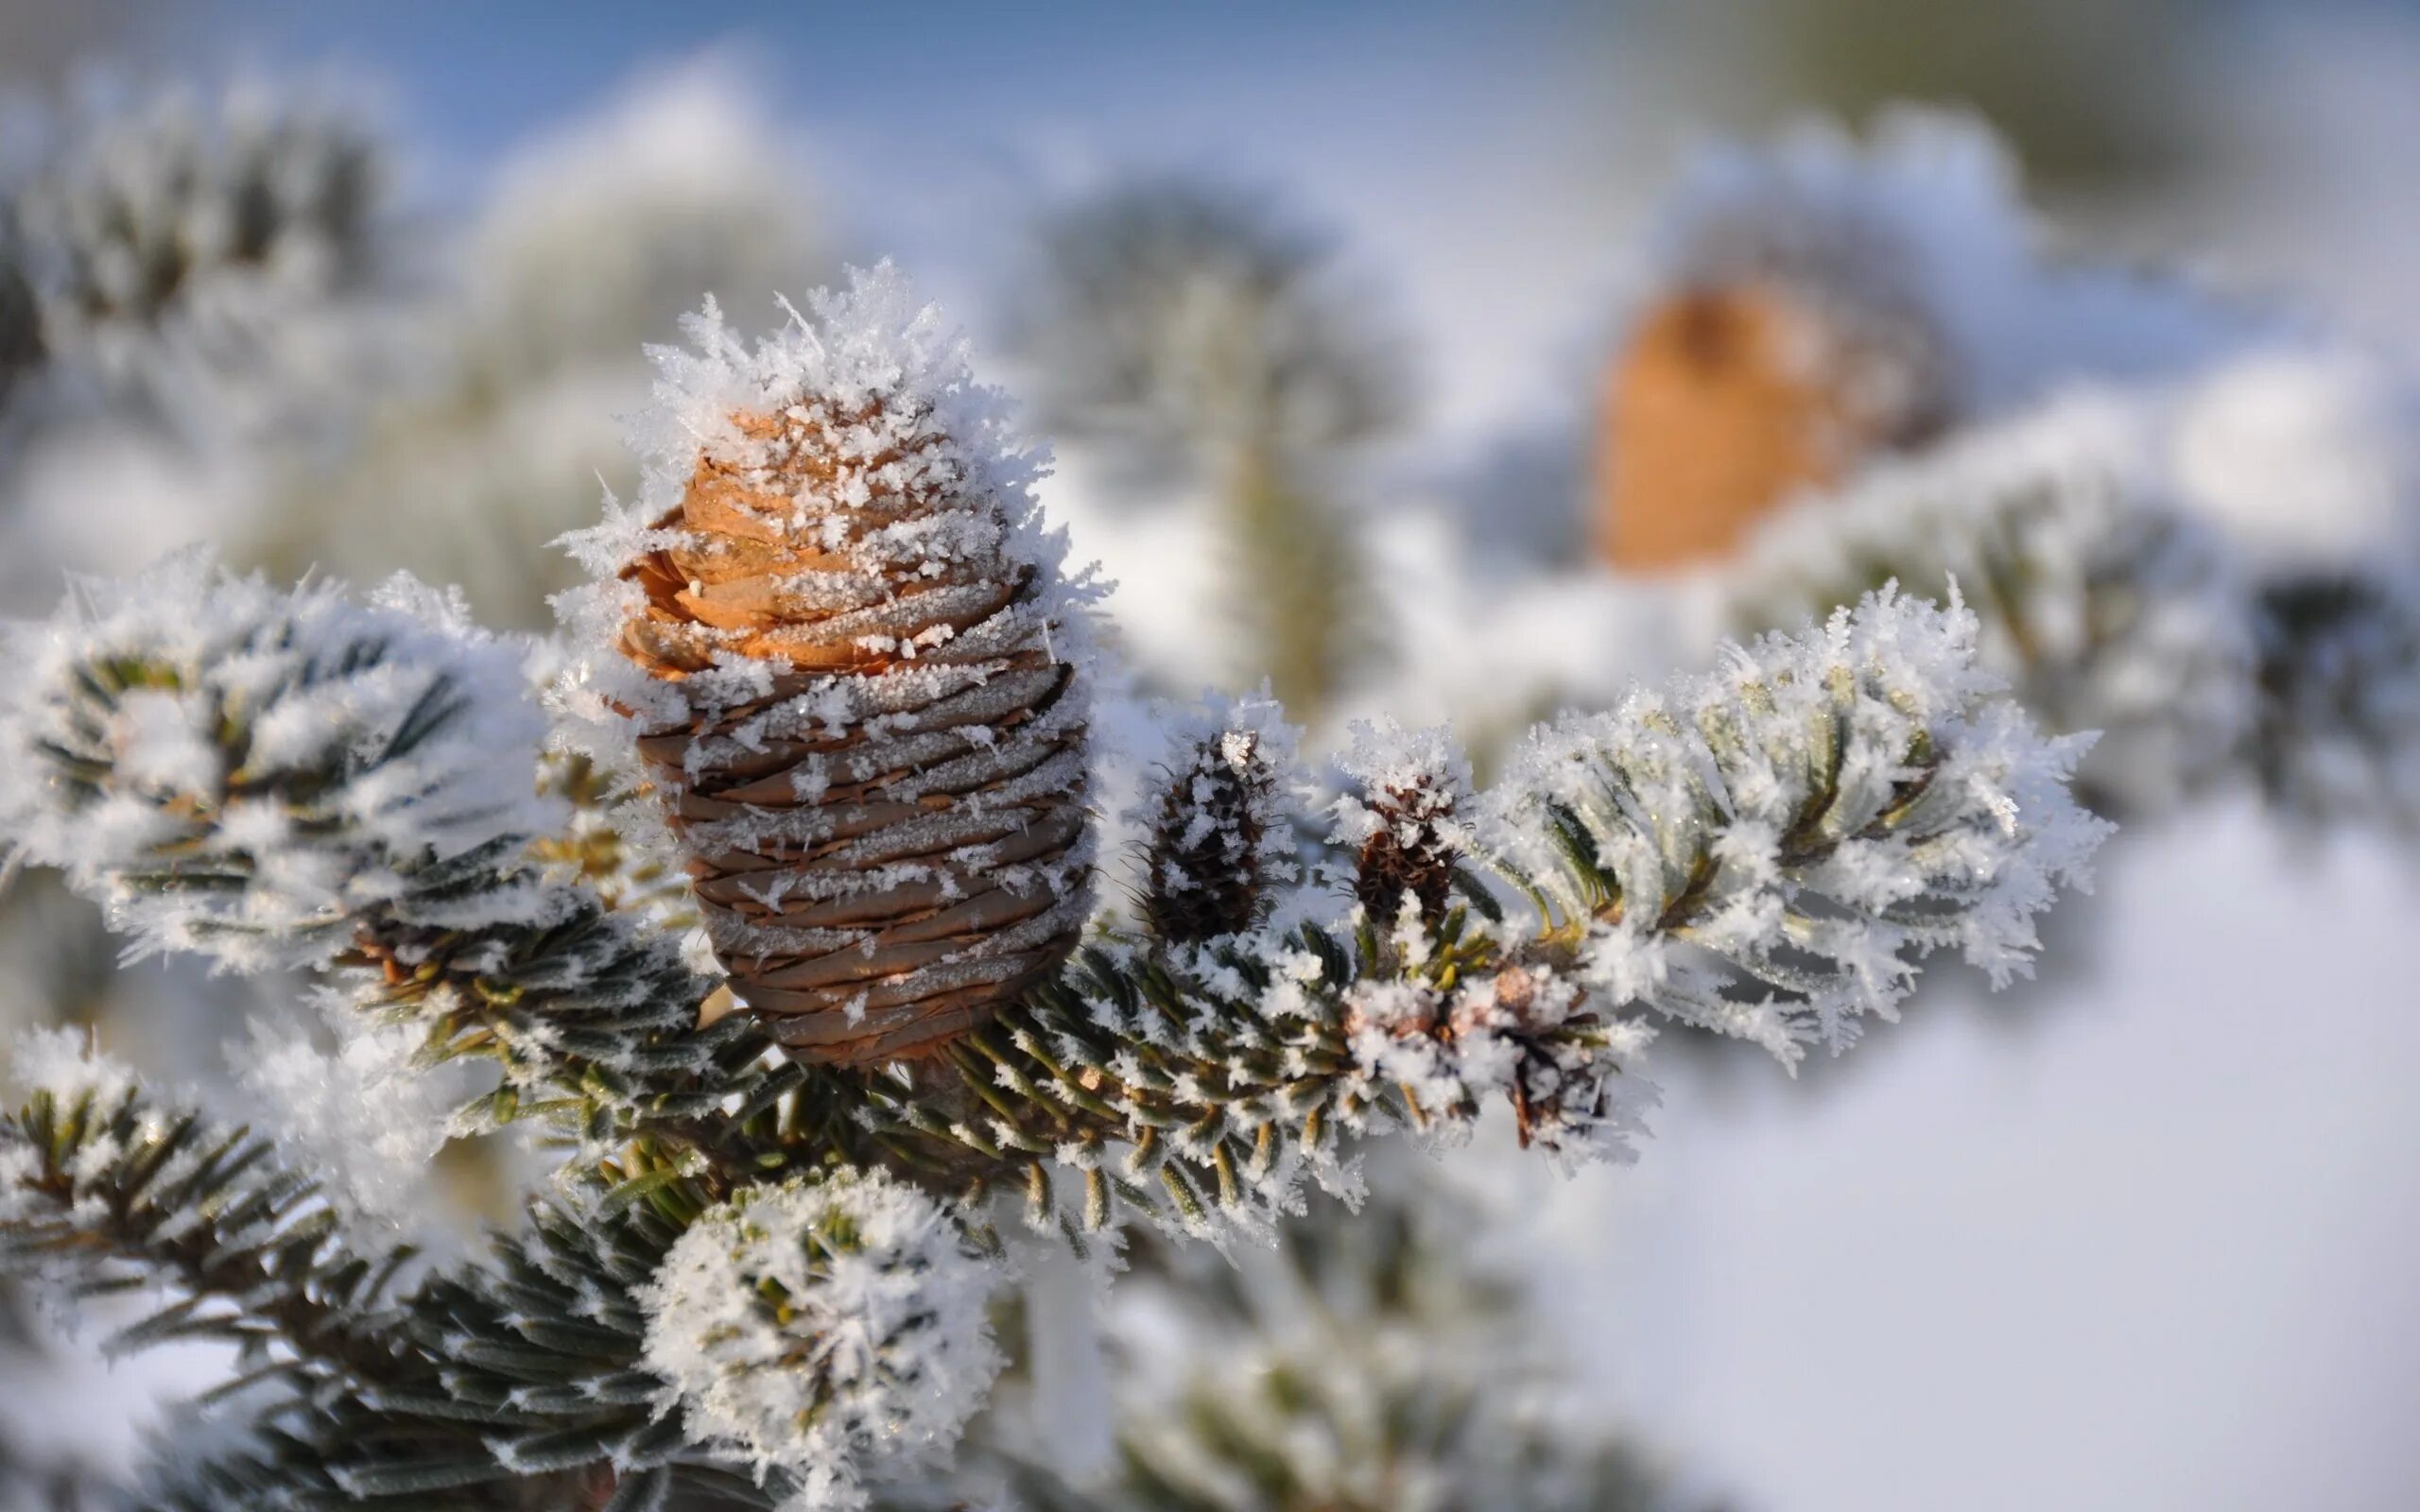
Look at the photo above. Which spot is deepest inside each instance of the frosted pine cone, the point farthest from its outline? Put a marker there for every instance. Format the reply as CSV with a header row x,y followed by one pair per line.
x,y
861,704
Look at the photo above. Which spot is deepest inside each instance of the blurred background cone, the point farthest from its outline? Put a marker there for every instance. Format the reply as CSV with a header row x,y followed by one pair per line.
x,y
1726,402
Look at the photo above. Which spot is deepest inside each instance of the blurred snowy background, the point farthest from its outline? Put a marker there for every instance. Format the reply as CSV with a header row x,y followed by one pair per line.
x,y
1328,314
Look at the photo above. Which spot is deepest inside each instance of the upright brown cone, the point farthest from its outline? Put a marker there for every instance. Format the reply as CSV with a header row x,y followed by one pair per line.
x,y
1726,402
878,767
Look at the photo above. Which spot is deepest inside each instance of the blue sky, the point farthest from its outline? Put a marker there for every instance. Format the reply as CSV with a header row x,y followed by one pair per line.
x,y
1430,135
473,77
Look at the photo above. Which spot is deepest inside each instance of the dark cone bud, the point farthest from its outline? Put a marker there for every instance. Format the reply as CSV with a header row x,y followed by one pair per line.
x,y
1219,841
1215,840
1401,817
1405,857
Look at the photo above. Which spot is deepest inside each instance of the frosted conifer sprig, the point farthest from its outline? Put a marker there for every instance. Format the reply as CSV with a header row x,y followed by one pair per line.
x,y
2102,603
1200,1094
277,779
540,1376
102,1188
855,670
2337,732
199,240
243,771
1374,1363
520,1382
1768,851
823,1333
1218,840
2109,605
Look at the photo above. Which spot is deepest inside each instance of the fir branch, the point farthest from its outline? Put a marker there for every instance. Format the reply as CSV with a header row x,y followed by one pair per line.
x,y
103,1189
2337,732
277,780
211,260
2110,606
574,1363
2103,604
1203,1089
1767,852
1370,1364
521,1383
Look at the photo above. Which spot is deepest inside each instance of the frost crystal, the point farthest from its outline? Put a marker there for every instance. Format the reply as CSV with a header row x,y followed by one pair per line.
x,y
827,1333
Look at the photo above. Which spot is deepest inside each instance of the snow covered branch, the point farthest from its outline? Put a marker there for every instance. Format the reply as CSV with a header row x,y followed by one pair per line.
x,y
1767,851
282,779
835,654
2335,730
2111,603
102,1189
